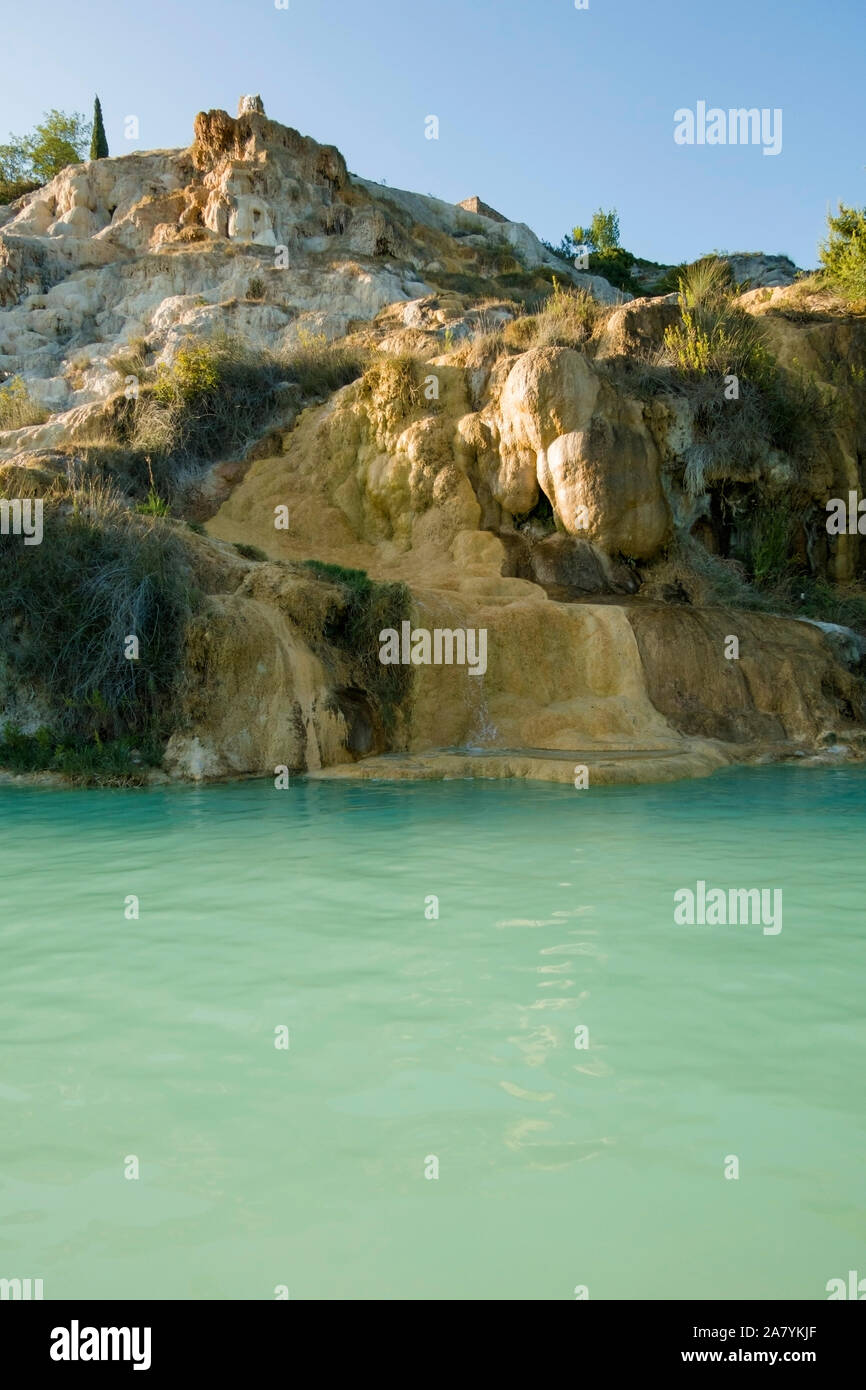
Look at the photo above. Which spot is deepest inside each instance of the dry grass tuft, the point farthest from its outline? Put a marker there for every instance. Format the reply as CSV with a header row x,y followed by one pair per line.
x,y
18,408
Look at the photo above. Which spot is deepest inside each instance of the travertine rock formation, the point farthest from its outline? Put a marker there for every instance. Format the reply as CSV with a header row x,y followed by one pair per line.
x,y
163,245
533,491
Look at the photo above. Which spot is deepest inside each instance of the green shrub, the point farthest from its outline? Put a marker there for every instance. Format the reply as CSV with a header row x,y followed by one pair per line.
x,y
716,336
216,396
768,544
102,574
60,139
602,233
154,505
774,408
723,344
119,762
606,256
193,376
615,265
256,288
249,552
369,607
843,254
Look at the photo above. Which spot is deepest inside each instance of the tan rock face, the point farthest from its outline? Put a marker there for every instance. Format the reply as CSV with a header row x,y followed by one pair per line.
x,y
550,391
604,482
559,676
592,455
258,697
262,687
218,136
785,685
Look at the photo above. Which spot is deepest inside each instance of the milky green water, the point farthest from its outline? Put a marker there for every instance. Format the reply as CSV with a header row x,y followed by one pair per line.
x,y
413,1039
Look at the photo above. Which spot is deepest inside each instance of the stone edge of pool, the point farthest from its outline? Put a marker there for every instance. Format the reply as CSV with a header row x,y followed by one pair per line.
x,y
605,766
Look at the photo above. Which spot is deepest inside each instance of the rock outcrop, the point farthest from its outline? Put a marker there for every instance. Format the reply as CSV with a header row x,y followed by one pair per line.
x,y
165,245
753,270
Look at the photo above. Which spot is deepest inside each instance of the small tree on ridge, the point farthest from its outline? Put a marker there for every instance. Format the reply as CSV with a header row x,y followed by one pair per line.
x,y
98,142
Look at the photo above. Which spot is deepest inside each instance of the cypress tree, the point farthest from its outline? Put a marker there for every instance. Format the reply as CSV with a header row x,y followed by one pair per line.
x,y
98,142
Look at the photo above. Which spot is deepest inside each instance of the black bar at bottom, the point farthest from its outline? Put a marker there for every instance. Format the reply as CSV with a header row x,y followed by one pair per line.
x,y
154,1339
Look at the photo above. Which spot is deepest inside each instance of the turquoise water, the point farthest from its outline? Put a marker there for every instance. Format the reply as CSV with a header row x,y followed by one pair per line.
x,y
412,1039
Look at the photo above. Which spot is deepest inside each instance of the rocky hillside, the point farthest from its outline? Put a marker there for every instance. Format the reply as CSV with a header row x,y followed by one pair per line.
x,y
226,362
167,244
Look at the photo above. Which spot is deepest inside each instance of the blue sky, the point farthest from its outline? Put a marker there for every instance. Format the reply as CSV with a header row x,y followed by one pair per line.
x,y
547,112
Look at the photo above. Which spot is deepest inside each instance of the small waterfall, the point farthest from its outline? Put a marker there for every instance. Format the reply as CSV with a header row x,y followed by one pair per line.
x,y
482,733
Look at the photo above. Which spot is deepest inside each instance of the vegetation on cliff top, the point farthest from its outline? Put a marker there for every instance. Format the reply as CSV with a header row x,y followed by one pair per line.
x,y
27,161
843,254
98,141
761,408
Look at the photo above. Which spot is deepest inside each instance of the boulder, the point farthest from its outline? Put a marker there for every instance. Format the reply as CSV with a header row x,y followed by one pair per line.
x,y
600,289
638,328
549,391
755,270
604,483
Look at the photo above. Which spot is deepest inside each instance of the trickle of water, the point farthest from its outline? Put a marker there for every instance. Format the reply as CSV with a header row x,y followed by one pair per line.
x,y
484,733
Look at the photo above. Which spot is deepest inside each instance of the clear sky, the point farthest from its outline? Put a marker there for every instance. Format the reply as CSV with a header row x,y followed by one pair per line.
x,y
546,111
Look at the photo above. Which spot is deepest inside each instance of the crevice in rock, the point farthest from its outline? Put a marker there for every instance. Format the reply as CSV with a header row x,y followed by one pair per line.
x,y
364,732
